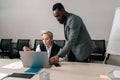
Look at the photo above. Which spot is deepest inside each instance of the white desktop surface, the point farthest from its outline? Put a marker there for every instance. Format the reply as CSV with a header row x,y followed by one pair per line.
x,y
67,71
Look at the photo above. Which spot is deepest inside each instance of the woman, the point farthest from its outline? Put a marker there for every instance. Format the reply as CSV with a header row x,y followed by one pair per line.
x,y
48,45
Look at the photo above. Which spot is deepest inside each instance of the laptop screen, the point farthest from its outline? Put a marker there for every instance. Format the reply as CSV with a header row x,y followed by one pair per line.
x,y
34,59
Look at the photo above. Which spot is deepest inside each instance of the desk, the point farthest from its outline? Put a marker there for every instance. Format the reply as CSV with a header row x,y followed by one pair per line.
x,y
67,71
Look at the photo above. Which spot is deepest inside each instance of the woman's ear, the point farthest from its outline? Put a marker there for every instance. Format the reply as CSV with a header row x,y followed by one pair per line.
x,y
51,40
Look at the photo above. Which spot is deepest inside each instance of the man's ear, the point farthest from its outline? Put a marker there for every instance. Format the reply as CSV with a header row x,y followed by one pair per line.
x,y
62,10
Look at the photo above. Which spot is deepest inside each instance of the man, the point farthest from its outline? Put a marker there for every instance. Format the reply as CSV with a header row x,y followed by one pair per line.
x,y
79,45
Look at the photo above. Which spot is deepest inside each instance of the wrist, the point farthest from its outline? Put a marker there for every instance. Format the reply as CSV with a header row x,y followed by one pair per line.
x,y
59,56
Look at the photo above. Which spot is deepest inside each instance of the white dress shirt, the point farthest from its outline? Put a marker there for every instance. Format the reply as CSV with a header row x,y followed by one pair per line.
x,y
48,50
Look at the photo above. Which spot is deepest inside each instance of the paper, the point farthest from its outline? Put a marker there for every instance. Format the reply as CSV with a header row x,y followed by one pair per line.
x,y
3,75
15,65
116,73
114,79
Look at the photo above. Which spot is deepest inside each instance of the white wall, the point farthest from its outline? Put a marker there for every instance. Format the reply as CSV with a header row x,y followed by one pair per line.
x,y
27,18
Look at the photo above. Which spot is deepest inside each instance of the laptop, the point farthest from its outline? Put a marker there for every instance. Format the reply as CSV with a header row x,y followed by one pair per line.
x,y
34,59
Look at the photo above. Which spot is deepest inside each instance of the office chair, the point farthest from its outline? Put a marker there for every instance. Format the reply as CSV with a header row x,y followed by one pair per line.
x,y
19,47
60,43
99,51
37,42
5,47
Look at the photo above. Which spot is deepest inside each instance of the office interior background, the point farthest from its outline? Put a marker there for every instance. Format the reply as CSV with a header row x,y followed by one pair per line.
x,y
26,19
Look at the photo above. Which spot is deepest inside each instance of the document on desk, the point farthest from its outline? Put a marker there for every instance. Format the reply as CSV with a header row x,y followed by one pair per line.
x,y
114,79
3,75
116,73
14,65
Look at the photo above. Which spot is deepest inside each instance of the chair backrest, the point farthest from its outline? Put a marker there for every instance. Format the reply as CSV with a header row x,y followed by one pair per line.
x,y
60,43
99,47
5,44
37,42
21,43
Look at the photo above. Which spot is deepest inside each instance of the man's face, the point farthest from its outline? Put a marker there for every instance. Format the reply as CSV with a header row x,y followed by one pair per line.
x,y
58,14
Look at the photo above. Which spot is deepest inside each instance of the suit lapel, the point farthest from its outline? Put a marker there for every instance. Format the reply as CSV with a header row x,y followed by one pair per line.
x,y
65,32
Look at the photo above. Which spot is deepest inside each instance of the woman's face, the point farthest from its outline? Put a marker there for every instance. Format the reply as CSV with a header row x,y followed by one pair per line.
x,y
46,40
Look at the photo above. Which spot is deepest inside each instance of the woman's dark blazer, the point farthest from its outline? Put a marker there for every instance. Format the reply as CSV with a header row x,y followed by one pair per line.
x,y
54,50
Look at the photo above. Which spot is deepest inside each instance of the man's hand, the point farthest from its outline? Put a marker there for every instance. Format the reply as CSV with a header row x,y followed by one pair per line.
x,y
54,59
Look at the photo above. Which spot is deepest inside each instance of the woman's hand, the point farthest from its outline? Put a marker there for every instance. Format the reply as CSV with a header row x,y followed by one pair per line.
x,y
25,48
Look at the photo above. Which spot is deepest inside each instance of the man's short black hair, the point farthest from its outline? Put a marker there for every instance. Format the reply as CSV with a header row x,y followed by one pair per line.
x,y
57,6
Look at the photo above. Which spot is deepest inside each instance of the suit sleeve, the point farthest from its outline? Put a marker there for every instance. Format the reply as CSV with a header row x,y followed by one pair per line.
x,y
74,30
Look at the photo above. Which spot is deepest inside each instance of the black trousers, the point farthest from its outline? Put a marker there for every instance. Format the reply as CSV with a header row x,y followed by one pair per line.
x,y
72,58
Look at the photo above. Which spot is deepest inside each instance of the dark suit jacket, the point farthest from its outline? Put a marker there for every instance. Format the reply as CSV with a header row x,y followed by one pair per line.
x,y
54,50
77,38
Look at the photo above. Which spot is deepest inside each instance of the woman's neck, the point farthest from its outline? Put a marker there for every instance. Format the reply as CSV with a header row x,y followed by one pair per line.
x,y
49,45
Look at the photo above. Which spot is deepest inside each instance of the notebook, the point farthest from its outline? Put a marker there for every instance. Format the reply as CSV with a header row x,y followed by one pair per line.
x,y
32,70
34,59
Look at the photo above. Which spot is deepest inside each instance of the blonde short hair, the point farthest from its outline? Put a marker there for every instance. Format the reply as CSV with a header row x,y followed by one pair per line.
x,y
50,34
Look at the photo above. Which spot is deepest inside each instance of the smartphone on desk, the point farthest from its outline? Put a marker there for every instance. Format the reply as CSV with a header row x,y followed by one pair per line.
x,y
56,64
